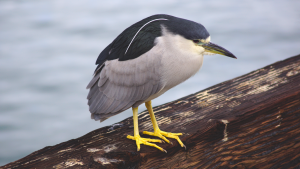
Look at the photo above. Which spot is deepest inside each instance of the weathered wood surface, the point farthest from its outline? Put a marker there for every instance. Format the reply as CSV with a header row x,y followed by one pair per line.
x,y
252,121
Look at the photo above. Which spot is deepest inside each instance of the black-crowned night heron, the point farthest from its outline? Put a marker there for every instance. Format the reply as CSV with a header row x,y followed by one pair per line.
x,y
143,62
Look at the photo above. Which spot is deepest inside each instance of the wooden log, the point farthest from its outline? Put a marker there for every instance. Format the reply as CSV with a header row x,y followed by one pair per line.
x,y
252,121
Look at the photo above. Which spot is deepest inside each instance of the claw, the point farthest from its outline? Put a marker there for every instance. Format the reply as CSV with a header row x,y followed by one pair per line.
x,y
146,141
162,134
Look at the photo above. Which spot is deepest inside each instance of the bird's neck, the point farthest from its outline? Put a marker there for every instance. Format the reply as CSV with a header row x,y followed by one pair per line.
x,y
180,59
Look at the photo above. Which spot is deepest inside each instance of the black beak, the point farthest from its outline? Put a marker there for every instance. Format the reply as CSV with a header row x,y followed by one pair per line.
x,y
213,48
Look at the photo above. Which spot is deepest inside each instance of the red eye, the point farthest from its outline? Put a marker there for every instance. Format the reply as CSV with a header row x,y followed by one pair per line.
x,y
196,41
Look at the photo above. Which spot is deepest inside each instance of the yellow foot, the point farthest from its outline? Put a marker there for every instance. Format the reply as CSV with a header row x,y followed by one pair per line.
x,y
163,135
139,140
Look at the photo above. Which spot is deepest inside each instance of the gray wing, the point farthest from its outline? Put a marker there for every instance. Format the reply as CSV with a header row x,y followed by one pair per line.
x,y
123,84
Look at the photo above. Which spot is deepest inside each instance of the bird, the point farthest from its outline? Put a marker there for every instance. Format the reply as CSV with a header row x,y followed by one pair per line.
x,y
143,62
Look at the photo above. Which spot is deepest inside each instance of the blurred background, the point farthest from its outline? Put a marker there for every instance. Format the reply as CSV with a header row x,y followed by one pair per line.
x,y
48,51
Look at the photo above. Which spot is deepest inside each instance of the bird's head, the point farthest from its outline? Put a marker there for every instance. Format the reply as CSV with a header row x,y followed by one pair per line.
x,y
194,33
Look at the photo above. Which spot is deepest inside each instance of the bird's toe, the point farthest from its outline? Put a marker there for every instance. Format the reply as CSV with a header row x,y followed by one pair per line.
x,y
163,135
146,141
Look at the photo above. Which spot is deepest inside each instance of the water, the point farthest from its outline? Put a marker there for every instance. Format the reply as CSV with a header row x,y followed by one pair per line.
x,y
48,50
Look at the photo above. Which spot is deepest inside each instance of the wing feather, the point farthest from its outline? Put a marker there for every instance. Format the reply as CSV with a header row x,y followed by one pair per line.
x,y
94,102
125,93
103,78
92,93
123,84
106,104
147,90
113,105
93,81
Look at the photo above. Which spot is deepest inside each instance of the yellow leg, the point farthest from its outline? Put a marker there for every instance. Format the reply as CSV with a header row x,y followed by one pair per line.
x,y
139,140
157,132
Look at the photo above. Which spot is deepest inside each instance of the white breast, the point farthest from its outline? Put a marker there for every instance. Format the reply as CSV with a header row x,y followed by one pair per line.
x,y
180,59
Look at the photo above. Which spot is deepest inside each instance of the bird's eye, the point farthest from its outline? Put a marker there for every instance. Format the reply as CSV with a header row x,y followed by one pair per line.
x,y
196,41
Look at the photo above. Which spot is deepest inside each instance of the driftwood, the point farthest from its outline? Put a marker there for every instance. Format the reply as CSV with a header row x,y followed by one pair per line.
x,y
252,121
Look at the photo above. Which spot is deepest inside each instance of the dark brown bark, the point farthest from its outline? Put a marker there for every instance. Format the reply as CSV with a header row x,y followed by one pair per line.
x,y
252,121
